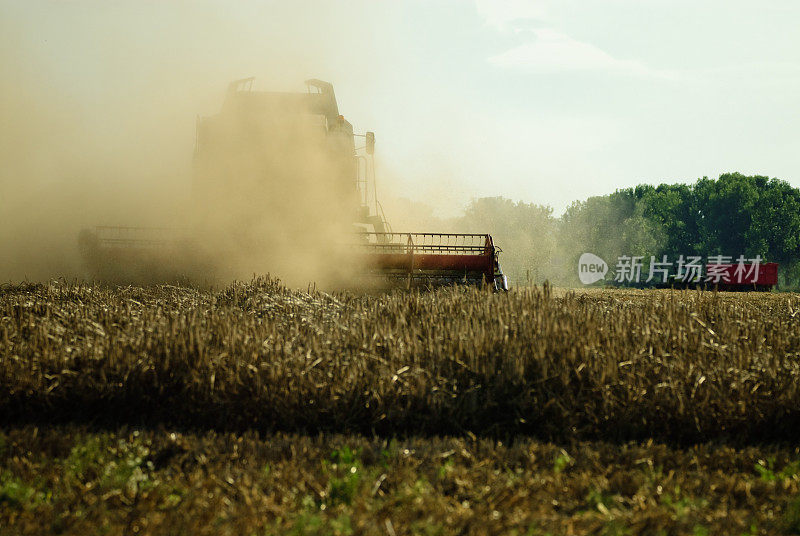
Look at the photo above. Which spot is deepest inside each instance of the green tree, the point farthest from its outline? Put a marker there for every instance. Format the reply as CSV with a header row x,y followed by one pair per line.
x,y
732,215
524,231
608,226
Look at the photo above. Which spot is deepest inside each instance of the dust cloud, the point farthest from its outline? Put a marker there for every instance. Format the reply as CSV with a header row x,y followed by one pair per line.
x,y
236,183
274,186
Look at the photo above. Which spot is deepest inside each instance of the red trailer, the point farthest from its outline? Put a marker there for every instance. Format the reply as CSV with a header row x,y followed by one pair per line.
x,y
734,277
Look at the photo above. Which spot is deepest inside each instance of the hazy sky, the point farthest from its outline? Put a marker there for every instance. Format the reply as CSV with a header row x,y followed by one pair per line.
x,y
542,101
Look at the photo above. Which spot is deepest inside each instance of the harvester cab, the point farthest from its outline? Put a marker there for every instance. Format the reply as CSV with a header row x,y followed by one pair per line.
x,y
241,164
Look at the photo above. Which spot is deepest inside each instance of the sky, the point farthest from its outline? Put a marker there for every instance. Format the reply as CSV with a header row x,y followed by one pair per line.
x,y
540,101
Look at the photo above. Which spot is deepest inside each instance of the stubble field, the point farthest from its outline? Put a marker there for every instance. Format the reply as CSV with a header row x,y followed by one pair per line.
x,y
260,410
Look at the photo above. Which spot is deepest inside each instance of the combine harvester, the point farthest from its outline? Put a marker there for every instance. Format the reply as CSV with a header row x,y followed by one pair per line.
x,y
260,123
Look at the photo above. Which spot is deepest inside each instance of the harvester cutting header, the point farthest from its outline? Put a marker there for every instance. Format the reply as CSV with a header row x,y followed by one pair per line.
x,y
281,178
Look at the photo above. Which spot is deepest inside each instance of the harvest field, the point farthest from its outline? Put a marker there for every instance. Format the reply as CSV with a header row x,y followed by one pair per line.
x,y
256,409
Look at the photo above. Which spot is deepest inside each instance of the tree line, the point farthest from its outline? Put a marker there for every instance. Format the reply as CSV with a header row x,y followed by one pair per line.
x,y
733,215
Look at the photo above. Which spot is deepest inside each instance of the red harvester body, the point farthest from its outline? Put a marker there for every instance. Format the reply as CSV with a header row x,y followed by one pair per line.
x,y
432,259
